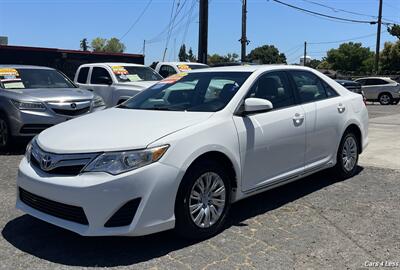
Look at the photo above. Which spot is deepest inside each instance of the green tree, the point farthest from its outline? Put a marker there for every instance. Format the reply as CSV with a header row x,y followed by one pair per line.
x,y
191,56
182,54
114,45
98,44
394,30
324,65
218,59
350,57
267,54
84,44
314,63
390,57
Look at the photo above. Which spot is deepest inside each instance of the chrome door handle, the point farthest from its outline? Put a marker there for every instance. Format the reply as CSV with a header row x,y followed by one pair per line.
x,y
298,119
341,108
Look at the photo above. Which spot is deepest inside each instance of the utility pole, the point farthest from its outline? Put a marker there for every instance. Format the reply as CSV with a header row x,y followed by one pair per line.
x,y
203,31
144,47
378,38
305,53
244,40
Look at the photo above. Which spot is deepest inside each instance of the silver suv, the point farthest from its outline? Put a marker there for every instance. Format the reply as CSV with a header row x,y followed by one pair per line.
x,y
34,98
382,89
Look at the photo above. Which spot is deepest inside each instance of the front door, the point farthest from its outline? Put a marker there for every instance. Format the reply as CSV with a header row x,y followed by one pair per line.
x,y
272,144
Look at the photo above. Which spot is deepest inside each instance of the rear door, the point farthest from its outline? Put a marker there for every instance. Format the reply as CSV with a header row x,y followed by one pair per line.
x,y
324,113
97,85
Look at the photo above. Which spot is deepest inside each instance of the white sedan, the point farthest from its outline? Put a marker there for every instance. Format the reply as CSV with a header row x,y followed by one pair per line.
x,y
178,154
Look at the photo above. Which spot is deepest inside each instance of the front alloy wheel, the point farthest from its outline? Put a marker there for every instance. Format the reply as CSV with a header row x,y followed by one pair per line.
x,y
207,200
203,200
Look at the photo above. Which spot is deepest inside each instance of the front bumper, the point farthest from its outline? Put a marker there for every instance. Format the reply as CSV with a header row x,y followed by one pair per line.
x,y
102,195
30,123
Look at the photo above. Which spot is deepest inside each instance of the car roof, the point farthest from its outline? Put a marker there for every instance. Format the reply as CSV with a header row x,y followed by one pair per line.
x,y
183,63
25,66
381,78
110,64
252,68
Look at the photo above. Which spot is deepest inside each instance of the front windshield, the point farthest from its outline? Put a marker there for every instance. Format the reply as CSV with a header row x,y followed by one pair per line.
x,y
199,92
135,74
33,78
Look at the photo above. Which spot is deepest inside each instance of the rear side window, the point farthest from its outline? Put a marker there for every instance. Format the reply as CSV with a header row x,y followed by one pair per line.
x,y
309,86
330,92
275,87
375,82
83,74
166,71
99,74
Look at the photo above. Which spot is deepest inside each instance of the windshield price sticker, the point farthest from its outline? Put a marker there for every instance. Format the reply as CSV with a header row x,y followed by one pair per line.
x,y
9,72
119,70
184,68
174,78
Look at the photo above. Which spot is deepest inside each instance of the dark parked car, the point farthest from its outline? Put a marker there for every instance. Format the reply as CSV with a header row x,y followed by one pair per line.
x,y
350,85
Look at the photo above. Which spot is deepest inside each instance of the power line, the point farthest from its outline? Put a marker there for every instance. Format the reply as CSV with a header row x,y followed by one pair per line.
x,y
339,10
137,20
343,40
324,15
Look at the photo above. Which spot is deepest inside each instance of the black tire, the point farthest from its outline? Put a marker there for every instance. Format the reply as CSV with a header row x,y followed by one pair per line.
x,y
385,99
184,225
395,101
5,137
340,167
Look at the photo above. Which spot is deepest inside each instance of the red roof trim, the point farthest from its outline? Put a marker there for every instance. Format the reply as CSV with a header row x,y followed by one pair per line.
x,y
26,48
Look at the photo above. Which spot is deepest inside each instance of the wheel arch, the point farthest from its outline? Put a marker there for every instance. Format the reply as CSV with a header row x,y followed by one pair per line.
x,y
352,127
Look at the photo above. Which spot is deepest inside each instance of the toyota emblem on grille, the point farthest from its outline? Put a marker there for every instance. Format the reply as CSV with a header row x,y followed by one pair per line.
x,y
73,105
46,162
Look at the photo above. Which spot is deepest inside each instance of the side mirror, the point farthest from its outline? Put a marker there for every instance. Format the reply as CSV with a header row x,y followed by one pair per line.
x,y
257,105
104,80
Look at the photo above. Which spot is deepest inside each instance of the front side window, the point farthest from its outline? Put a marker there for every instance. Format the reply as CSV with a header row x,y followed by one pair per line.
x,y
100,76
167,71
32,78
199,92
83,74
309,86
135,74
275,87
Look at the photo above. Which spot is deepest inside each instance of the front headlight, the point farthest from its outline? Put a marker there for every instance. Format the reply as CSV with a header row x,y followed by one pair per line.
x,y
29,105
28,151
98,101
119,162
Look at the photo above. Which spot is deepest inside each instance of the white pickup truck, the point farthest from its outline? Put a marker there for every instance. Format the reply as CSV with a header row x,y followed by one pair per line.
x,y
115,82
167,69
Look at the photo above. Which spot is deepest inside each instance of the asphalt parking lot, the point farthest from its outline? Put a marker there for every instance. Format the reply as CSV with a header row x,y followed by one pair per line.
x,y
315,223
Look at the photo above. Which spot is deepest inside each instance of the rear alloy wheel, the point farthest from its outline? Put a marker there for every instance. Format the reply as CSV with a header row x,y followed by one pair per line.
x,y
4,134
385,99
203,201
347,157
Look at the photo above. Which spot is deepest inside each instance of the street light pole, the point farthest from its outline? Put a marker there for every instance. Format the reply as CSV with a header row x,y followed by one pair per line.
x,y
244,40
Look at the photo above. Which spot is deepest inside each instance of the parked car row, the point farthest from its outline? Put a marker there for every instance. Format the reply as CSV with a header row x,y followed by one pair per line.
x,y
34,98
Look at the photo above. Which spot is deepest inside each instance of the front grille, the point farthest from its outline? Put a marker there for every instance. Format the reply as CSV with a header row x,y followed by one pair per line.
x,y
33,128
125,215
62,171
71,112
59,164
60,210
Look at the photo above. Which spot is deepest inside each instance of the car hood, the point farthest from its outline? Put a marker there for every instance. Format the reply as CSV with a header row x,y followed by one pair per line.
x,y
115,130
55,94
140,85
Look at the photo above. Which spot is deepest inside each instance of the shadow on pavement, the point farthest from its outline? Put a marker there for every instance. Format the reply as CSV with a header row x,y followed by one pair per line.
x,y
60,246
17,148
